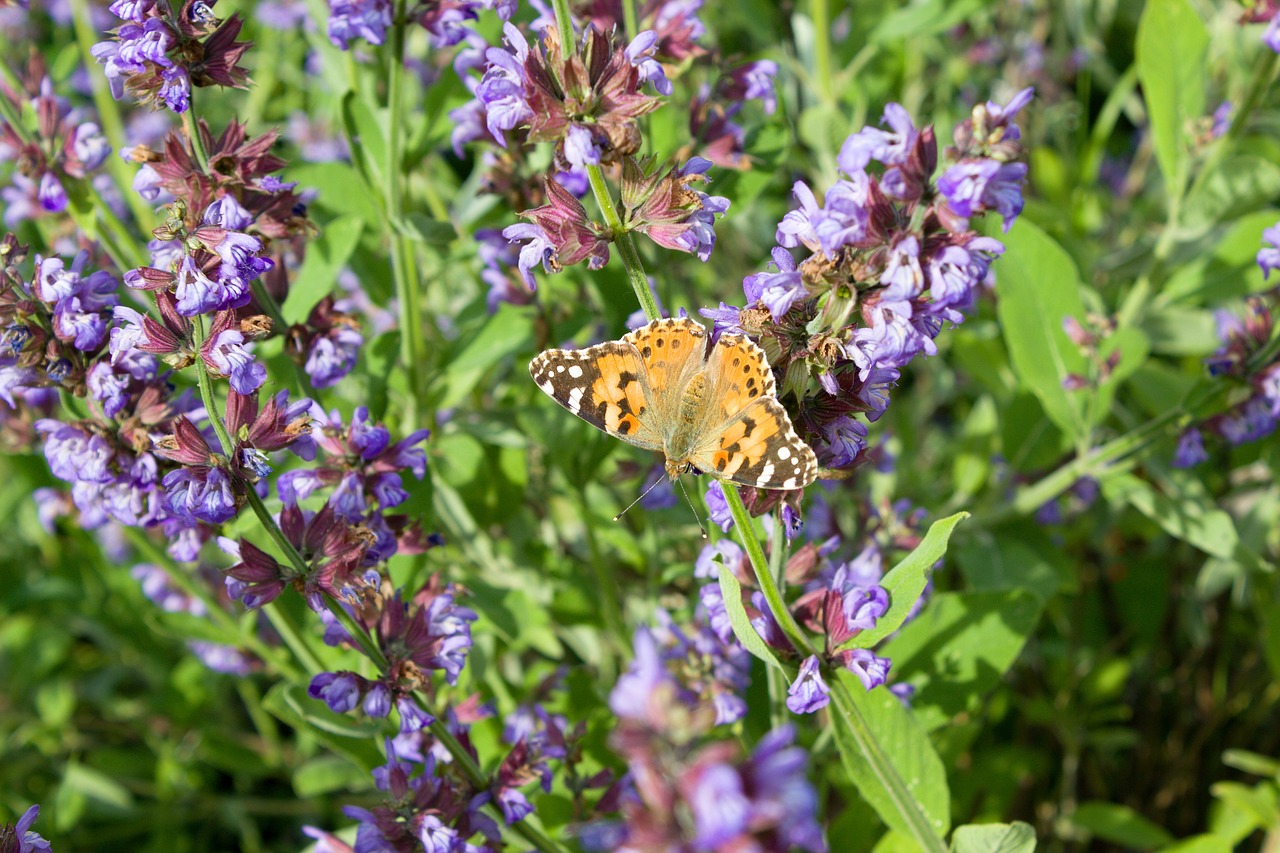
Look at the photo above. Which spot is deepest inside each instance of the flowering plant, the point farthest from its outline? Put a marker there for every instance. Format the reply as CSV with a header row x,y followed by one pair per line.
x,y
309,559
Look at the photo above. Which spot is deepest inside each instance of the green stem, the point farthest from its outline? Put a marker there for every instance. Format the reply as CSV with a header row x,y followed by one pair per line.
x,y
1095,463
626,246
822,48
772,593
197,143
205,384
403,263
564,24
630,19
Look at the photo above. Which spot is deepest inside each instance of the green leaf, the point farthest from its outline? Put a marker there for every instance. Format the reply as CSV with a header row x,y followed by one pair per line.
x,y
326,256
1184,516
1039,287
907,580
340,189
742,629
1017,556
187,626
424,229
1016,837
1170,53
962,644
291,704
897,745
1120,825
364,129
502,336
1200,844
326,774
1252,763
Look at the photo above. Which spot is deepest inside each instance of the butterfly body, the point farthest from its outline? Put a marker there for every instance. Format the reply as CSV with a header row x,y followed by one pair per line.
x,y
660,388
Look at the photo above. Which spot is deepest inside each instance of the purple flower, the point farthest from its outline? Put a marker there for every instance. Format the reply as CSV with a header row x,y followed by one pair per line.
x,y
808,693
753,81
147,183
109,388
341,691
871,670
1252,421
515,805
1269,258
176,89
778,291
846,439
196,496
53,198
228,213
229,357
717,506
630,697
721,810
1271,35
73,455
781,794
640,54
902,278
708,567
538,251
333,356
131,10
841,222
438,838
198,294
891,340
366,19
502,89
974,186
1190,450
147,43
890,148
580,147
90,146
27,840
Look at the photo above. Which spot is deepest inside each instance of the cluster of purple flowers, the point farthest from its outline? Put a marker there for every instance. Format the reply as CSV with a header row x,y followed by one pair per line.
x,y
1247,353
890,259
63,146
587,102
159,52
684,791
448,21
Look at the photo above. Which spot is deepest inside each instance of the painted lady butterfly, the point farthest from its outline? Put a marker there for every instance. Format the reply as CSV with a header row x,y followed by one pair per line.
x,y
661,389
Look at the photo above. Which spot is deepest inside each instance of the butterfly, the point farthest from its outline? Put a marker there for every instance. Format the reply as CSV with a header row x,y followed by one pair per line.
x,y
713,410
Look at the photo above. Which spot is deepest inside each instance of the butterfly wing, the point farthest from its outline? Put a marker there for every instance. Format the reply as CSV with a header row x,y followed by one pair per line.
x,y
748,437
606,385
673,351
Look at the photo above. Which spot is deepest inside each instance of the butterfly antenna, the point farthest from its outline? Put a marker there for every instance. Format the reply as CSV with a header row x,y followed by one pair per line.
x,y
637,500
696,518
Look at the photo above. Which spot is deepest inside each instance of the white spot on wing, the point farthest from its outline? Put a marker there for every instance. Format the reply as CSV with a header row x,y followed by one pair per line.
x,y
575,399
784,452
790,483
766,473
548,386
575,372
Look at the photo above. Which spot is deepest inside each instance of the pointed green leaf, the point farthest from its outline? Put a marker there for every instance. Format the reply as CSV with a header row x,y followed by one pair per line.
x,y
1039,288
742,629
907,580
1170,51
1017,837
889,756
